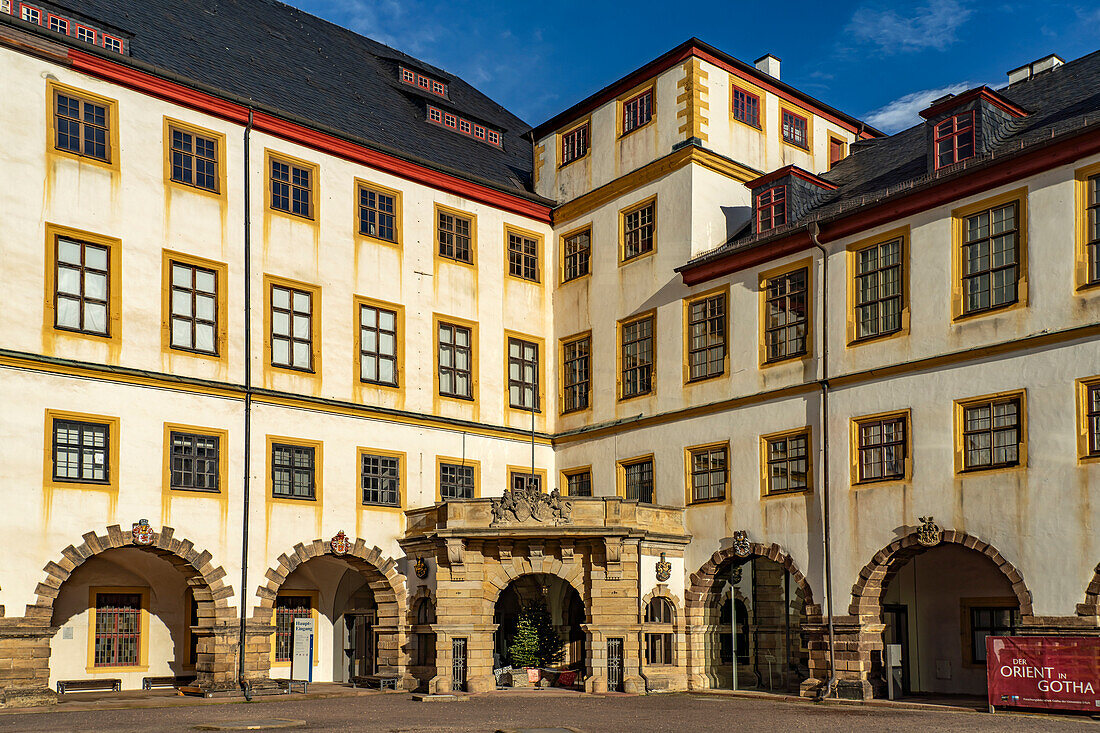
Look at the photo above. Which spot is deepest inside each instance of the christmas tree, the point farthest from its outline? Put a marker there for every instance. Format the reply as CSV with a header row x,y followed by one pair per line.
x,y
536,643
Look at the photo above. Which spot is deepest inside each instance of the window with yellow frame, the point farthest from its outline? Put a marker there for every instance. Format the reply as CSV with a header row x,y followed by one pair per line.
x,y
878,287
195,319
292,329
82,126
705,336
707,469
118,632
83,284
1088,419
991,432
577,481
990,255
194,157
786,467
291,186
378,213
881,448
1087,265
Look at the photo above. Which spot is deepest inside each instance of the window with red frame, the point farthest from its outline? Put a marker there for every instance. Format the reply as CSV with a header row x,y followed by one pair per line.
x,y
85,34
31,15
463,126
954,139
414,79
795,130
836,151
771,208
112,44
574,144
59,25
746,107
637,111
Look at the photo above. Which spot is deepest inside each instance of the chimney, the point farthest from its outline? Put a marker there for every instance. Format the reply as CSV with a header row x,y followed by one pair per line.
x,y
1027,71
769,65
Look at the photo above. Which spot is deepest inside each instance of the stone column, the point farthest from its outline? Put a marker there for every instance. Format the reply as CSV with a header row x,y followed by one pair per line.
x,y
25,662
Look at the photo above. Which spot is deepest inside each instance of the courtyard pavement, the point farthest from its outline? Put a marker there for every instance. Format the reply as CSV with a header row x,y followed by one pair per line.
x,y
515,711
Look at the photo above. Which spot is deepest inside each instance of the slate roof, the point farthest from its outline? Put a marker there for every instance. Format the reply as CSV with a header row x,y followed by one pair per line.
x,y
291,62
1063,101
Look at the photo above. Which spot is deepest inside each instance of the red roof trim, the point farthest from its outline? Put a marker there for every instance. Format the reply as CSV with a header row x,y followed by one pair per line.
x,y
684,51
789,170
981,92
1008,171
210,104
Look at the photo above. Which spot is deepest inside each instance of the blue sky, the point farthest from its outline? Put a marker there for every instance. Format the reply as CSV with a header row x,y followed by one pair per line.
x,y
881,61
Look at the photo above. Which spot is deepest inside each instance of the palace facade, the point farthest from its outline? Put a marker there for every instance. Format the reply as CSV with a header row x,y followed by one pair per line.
x,y
299,326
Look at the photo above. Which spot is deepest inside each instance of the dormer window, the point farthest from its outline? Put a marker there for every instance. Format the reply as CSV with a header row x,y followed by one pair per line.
x,y
771,208
463,126
415,79
954,139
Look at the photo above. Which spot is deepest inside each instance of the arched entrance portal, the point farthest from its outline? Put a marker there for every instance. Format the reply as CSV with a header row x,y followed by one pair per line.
x,y
566,614
754,614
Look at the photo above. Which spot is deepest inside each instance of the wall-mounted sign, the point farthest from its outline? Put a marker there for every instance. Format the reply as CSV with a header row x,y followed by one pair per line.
x,y
1054,672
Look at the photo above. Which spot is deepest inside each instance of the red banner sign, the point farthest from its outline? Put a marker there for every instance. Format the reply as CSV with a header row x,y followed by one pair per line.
x,y
1057,672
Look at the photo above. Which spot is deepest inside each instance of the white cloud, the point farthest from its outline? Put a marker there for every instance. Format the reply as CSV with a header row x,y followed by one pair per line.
x,y
932,25
903,112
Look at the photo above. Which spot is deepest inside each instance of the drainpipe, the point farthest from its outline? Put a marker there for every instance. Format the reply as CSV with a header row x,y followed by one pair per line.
x,y
814,230
245,687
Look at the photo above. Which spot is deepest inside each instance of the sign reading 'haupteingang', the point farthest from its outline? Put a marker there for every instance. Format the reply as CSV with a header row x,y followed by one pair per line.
x,y
1057,672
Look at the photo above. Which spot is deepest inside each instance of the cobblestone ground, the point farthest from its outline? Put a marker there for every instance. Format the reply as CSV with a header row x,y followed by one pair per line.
x,y
652,714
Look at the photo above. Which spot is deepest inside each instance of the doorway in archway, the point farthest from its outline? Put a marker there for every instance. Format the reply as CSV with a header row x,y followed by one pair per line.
x,y
753,616
566,612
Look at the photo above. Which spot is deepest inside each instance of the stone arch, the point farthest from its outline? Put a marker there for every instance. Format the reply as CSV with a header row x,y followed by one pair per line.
x,y
421,594
876,575
703,580
383,578
1091,606
216,631
702,583
661,590
500,575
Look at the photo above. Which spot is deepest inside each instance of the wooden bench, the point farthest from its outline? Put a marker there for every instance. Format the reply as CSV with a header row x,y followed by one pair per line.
x,y
98,683
148,683
380,681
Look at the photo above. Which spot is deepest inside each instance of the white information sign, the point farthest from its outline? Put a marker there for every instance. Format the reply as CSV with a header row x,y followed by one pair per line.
x,y
301,657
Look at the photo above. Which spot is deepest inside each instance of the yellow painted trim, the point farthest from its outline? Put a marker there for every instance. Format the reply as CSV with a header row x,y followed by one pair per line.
x,y
54,337
221,284
958,413
623,213
843,149
314,601
1080,388
565,473
649,85
361,387
649,173
806,263
562,343
314,373
851,259
724,291
398,224
541,343
314,181
144,630
967,635
651,314
223,459
958,234
540,245
765,478
853,449
440,460
620,473
219,152
114,438
472,218
736,82
586,120
540,153
113,122
526,471
402,479
808,116
561,253
1080,216
689,453
690,103
437,319
318,470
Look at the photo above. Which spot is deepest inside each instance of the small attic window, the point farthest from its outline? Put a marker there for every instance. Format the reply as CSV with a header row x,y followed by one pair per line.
x,y
463,126
771,208
954,139
415,79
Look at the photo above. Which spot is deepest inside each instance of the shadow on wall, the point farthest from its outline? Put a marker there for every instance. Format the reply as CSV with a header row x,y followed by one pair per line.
x,y
737,218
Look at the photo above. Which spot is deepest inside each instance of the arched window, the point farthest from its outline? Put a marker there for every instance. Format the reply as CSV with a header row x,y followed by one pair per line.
x,y
659,611
659,617
424,612
424,652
